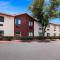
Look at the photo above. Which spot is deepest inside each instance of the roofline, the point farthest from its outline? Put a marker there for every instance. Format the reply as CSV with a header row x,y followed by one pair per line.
x,y
25,14
6,14
54,24
14,15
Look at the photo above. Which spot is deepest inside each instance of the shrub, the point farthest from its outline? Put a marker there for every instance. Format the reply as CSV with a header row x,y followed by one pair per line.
x,y
1,38
26,38
7,38
16,38
22,38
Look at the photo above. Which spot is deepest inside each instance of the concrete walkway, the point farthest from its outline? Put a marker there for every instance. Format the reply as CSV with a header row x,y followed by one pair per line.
x,y
30,51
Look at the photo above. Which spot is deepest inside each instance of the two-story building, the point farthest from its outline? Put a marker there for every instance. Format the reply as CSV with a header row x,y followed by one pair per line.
x,y
19,24
51,30
24,25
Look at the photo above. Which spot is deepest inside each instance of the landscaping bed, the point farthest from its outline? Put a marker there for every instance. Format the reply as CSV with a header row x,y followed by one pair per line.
x,y
28,39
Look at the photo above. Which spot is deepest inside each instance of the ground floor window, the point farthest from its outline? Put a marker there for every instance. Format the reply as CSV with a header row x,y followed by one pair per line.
x,y
54,34
48,34
40,34
30,33
18,33
59,34
1,32
1,24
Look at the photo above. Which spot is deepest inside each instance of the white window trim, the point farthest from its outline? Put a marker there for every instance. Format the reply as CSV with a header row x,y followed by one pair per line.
x,y
30,33
30,23
19,34
18,20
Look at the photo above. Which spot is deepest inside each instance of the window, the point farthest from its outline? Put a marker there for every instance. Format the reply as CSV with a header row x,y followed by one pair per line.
x,y
48,34
30,23
17,21
54,27
1,24
54,30
40,28
18,33
54,34
59,28
59,34
47,29
1,33
30,33
40,34
48,26
1,19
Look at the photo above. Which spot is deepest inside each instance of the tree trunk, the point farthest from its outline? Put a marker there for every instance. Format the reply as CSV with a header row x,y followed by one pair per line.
x,y
43,33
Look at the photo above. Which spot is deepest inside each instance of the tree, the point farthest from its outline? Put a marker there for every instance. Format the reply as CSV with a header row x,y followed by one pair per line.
x,y
43,11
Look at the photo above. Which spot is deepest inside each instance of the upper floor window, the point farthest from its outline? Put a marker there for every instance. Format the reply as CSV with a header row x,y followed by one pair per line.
x,y
40,28
47,29
59,28
17,21
1,19
30,23
54,27
48,26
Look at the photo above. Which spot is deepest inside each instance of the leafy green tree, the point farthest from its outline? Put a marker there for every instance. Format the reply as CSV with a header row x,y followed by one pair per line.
x,y
43,11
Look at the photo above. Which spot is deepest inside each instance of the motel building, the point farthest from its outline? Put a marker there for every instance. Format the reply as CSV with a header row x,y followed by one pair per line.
x,y
24,25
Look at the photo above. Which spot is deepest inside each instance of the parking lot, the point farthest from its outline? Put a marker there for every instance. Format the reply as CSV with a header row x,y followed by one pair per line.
x,y
30,51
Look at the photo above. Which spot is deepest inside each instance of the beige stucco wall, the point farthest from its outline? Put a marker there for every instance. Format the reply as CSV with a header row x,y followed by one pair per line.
x,y
51,29
36,28
8,25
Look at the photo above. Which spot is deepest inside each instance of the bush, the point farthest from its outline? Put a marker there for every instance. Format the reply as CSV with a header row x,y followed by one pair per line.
x,y
27,38
56,37
51,37
16,38
1,38
22,38
7,38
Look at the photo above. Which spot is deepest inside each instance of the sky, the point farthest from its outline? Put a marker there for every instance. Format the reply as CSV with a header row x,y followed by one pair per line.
x,y
18,7
15,6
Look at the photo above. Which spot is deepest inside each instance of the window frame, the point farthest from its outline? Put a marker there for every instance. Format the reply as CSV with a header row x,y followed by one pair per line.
x,y
30,33
1,24
18,34
48,26
40,34
1,32
17,21
54,34
1,19
48,34
30,23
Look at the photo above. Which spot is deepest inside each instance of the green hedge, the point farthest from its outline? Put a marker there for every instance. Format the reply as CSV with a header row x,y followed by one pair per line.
x,y
56,37
51,37
23,38
7,38
27,38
